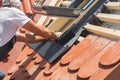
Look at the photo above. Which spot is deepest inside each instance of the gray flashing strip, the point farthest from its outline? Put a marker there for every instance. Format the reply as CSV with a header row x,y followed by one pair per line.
x,y
52,50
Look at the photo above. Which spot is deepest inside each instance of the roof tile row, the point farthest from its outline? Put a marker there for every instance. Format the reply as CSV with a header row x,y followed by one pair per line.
x,y
87,59
94,58
25,6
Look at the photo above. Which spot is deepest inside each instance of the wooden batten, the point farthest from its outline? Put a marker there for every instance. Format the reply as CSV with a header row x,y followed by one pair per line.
x,y
65,3
107,32
61,22
58,24
83,3
113,5
114,18
43,17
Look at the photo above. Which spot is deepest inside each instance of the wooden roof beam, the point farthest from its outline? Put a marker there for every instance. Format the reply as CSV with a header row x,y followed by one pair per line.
x,y
65,3
114,18
107,32
113,5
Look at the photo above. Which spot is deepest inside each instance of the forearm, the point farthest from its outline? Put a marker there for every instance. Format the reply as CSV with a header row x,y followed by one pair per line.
x,y
39,30
28,38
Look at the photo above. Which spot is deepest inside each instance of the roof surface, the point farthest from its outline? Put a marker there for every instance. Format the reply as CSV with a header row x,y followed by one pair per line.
x,y
95,57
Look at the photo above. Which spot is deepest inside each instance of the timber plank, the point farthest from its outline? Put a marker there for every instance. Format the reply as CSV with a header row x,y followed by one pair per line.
x,y
65,3
61,22
107,32
113,5
83,3
114,18
58,23
51,3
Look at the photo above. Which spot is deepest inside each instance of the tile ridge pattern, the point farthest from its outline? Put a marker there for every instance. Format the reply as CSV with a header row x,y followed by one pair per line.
x,y
34,67
87,60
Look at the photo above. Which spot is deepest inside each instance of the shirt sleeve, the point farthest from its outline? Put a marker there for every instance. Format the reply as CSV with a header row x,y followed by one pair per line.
x,y
19,17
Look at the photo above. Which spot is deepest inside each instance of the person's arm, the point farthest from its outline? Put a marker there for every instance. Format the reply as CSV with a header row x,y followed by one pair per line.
x,y
39,30
28,38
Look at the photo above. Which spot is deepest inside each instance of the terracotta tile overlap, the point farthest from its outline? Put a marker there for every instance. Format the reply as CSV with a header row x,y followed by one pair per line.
x,y
31,68
68,57
87,54
52,69
13,55
9,77
90,67
21,75
112,56
38,73
41,74
23,54
59,73
103,72
94,58
13,69
18,74
26,60
38,59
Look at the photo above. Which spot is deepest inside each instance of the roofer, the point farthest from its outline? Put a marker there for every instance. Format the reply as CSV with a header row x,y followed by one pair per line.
x,y
12,19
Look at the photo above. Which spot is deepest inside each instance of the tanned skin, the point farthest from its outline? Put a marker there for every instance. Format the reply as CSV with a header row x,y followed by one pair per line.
x,y
42,33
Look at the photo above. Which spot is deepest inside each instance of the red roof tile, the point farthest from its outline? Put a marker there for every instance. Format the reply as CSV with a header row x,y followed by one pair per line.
x,y
89,68
13,55
27,6
112,56
88,53
79,48
104,72
36,67
94,58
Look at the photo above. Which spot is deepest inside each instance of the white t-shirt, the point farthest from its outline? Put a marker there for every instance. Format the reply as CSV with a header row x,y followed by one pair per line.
x,y
10,20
